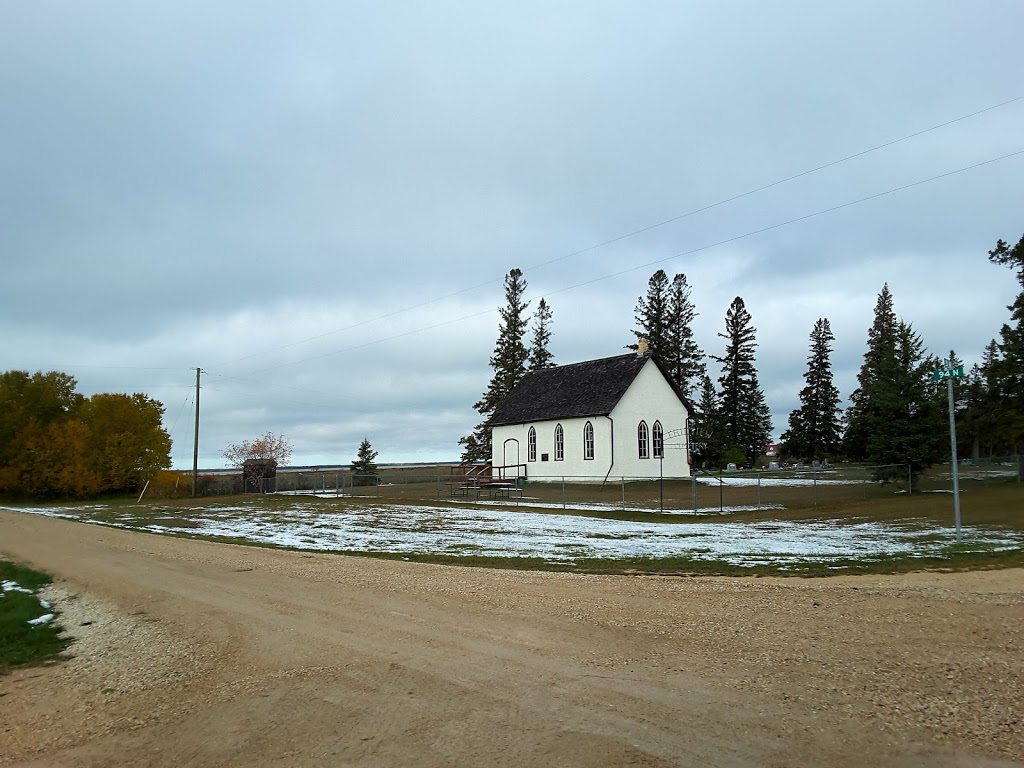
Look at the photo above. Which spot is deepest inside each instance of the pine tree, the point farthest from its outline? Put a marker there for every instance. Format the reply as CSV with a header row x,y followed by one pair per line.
x,y
364,470
745,417
683,358
814,427
861,419
540,355
508,362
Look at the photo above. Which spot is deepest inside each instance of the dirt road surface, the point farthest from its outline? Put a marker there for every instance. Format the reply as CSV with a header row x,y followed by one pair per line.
x,y
191,653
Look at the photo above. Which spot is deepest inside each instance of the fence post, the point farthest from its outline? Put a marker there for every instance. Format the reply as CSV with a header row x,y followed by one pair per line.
x,y
563,491
910,480
758,493
693,489
814,493
622,488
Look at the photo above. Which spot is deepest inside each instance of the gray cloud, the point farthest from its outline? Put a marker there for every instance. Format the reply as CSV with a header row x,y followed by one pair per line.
x,y
231,187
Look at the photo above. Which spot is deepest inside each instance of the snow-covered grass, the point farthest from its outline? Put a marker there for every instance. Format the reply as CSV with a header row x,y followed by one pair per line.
x,y
496,532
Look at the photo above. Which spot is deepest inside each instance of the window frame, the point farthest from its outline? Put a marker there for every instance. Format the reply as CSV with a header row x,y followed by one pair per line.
x,y
559,443
531,445
658,440
643,438
588,441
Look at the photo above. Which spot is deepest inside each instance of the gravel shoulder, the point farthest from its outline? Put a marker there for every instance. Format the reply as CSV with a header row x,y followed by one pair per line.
x,y
190,653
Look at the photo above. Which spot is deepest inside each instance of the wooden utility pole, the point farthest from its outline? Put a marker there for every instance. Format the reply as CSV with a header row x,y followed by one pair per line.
x,y
195,445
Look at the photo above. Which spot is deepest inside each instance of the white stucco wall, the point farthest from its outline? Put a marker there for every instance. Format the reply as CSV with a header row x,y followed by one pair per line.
x,y
573,464
649,398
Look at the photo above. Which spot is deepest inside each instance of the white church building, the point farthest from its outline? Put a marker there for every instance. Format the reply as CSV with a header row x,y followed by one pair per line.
x,y
616,417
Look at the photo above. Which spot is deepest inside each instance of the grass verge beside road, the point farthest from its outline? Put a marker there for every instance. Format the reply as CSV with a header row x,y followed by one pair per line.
x,y
22,643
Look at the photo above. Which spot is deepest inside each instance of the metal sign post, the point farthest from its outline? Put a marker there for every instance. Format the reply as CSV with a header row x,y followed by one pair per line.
x,y
949,374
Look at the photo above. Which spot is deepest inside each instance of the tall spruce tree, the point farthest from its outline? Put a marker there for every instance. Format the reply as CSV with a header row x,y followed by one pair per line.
x,y
815,427
1007,391
540,355
684,358
652,315
706,426
911,406
895,420
664,317
861,419
745,417
979,425
508,362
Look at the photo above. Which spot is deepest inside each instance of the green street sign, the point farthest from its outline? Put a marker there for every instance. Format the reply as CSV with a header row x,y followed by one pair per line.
x,y
949,373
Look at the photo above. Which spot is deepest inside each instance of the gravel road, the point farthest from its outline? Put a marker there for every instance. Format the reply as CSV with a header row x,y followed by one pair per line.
x,y
190,653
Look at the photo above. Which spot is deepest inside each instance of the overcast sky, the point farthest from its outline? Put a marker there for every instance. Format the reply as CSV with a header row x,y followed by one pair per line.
x,y
317,202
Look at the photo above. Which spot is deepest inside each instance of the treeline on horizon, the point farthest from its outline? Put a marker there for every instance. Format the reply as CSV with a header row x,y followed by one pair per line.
x,y
898,412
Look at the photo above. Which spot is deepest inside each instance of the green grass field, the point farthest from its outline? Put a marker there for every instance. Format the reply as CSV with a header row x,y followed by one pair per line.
x,y
20,642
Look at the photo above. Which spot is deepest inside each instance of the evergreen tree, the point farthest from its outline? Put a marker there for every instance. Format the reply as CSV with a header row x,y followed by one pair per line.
x,y
910,407
861,418
968,422
364,470
664,317
706,426
896,414
540,355
814,427
1007,390
652,316
745,417
684,359
979,424
508,362
991,412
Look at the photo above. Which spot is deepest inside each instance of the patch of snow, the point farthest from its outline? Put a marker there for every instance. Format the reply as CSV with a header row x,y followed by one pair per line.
x,y
527,501
503,532
45,619
775,482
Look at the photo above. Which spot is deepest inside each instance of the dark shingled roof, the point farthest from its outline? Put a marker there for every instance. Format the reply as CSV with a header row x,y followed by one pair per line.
x,y
591,388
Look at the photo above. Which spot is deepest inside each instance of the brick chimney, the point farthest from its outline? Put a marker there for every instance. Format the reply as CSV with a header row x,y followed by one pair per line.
x,y
643,349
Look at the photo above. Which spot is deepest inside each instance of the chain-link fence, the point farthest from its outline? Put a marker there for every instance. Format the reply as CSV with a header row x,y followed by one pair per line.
x,y
705,493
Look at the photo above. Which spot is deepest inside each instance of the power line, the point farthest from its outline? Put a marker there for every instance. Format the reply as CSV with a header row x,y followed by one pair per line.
x,y
708,246
794,221
636,232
